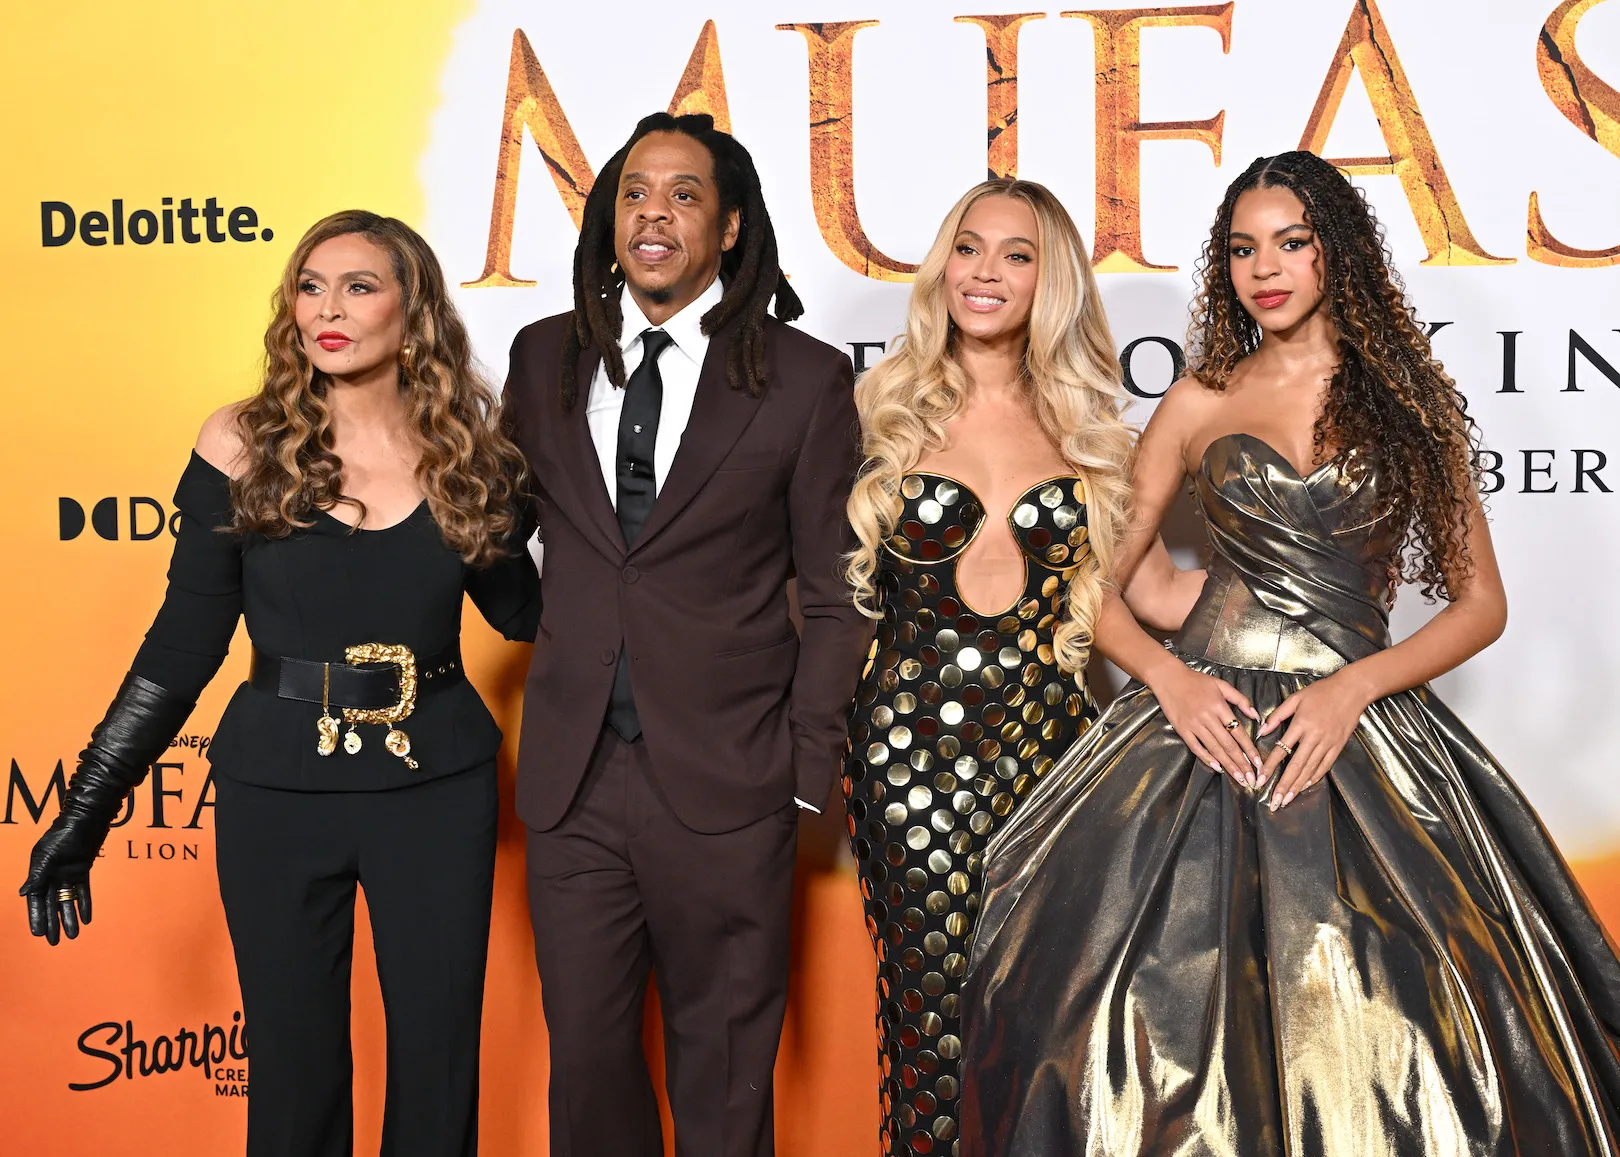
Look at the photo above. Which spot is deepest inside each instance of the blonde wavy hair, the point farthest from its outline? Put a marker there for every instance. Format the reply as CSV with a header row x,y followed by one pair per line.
x,y
470,472
1072,375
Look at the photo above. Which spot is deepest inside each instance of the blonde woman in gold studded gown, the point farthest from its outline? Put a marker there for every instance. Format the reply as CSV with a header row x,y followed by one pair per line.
x,y
987,513
1359,939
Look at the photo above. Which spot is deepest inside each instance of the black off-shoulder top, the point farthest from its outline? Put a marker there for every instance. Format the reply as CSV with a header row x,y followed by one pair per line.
x,y
309,596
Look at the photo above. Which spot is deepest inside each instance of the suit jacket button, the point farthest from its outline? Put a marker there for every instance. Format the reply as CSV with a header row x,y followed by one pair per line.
x,y
629,574
607,658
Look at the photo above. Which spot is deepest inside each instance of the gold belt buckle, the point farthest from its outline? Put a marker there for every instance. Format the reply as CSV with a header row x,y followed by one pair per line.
x,y
397,742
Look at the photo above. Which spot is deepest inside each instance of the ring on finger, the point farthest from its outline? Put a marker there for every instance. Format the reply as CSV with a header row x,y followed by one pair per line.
x,y
1286,747
1231,725
64,894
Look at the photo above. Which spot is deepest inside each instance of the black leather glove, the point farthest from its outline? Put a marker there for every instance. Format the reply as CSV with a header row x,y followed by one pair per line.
x,y
139,725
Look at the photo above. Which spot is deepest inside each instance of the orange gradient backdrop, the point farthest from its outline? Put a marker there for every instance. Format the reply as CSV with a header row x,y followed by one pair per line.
x,y
115,356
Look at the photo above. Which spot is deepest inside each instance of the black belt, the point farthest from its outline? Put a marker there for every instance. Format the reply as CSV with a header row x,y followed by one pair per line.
x,y
365,686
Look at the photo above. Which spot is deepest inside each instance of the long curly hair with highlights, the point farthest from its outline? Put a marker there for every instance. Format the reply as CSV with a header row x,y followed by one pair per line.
x,y
1389,397
1072,376
469,471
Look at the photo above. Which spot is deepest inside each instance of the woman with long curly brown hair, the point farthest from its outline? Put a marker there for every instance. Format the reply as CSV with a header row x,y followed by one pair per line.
x,y
1279,899
344,510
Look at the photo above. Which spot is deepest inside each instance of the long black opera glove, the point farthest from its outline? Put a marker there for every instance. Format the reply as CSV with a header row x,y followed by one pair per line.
x,y
139,725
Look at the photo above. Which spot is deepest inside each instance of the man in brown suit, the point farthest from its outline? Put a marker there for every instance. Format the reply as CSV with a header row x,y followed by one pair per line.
x,y
690,455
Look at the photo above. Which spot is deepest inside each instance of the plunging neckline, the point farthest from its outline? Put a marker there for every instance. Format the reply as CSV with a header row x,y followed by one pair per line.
x,y
973,535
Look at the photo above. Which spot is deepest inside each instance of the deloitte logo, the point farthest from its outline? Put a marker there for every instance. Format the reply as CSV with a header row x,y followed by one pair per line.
x,y
60,223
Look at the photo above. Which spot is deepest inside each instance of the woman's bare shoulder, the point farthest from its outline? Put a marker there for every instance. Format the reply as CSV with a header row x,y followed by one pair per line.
x,y
1186,405
1190,393
219,442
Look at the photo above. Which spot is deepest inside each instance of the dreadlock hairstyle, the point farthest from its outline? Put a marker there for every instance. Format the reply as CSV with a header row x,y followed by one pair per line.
x,y
748,270
1388,397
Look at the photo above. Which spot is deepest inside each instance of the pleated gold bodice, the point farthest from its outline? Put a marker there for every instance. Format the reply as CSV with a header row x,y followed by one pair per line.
x,y
1299,579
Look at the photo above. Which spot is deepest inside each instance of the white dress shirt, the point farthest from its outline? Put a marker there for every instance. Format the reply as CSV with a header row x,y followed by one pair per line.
x,y
679,368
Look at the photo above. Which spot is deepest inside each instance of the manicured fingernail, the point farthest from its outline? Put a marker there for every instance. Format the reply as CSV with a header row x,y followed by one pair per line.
x,y
1289,798
1218,768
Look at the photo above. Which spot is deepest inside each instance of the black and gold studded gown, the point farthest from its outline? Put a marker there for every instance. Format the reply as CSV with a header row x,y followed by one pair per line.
x,y
957,715
1398,963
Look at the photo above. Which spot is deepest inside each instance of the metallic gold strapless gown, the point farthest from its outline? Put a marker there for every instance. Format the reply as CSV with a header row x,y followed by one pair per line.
x,y
956,717
1398,962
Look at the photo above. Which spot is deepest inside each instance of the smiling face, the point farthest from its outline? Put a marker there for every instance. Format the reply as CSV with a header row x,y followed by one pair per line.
x,y
1275,259
350,308
668,229
991,273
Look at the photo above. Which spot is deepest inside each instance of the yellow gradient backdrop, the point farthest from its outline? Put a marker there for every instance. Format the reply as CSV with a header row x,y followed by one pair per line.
x,y
113,356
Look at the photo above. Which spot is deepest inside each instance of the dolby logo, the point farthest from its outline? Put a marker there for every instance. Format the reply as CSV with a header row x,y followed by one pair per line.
x,y
136,519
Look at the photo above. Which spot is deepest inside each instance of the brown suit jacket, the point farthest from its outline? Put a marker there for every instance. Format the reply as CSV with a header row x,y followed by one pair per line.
x,y
739,712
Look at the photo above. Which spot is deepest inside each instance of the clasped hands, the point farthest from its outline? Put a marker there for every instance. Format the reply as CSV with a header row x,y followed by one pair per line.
x,y
1315,723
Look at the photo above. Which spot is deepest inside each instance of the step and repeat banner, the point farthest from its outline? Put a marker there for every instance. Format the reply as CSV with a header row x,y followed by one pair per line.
x,y
162,160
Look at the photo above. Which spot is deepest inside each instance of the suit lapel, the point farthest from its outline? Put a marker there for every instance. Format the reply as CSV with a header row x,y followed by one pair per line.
x,y
581,467
719,416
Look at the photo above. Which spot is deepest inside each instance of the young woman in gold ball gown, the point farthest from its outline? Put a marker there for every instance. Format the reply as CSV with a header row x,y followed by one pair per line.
x,y
1278,899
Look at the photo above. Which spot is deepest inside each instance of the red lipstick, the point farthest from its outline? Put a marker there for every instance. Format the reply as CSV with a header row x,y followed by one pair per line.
x,y
1272,298
331,340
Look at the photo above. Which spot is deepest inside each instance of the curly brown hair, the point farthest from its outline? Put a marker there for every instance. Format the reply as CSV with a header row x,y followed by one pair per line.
x,y
1389,397
470,472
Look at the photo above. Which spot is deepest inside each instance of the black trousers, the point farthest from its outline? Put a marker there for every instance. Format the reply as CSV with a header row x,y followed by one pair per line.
x,y
289,863
620,889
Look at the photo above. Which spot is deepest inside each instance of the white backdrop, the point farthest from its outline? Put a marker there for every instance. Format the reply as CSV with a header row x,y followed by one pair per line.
x,y
1541,697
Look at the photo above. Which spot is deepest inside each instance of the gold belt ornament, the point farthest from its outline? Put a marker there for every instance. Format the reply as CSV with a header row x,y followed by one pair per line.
x,y
396,741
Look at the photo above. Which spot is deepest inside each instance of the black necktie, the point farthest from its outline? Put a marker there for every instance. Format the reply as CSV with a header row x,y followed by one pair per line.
x,y
637,486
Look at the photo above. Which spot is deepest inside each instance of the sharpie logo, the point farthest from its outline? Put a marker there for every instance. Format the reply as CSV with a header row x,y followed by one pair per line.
x,y
60,223
219,1053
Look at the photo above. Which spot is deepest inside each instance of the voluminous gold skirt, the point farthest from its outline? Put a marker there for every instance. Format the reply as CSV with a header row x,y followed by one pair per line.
x,y
1398,962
